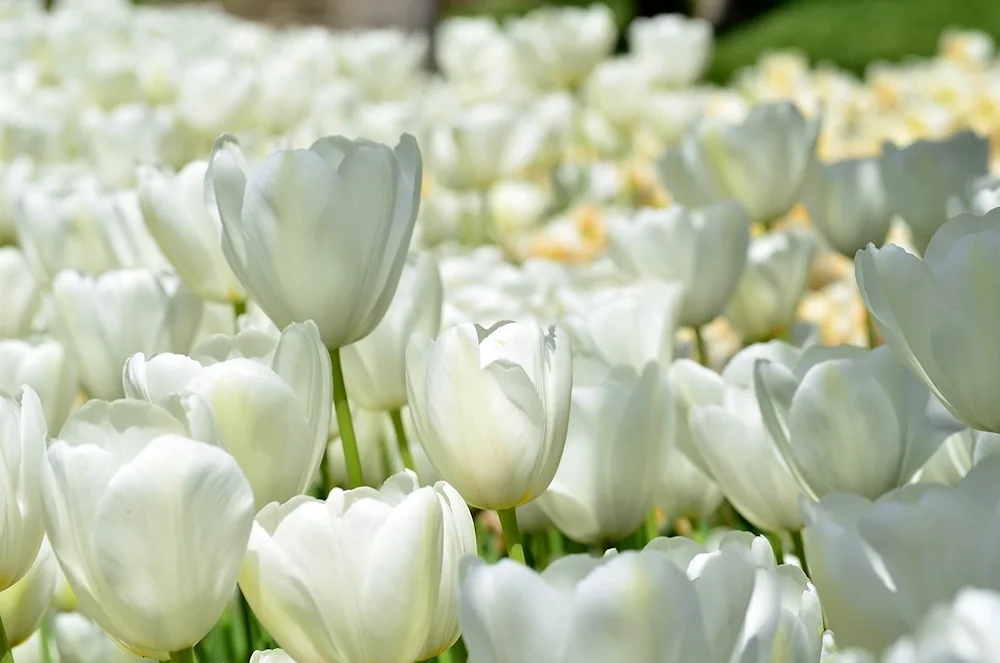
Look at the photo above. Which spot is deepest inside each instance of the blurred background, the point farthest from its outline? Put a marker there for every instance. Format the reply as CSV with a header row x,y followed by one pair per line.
x,y
849,33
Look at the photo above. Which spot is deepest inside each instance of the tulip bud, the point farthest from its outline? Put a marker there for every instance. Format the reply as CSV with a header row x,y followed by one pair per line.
x,y
705,249
503,392
187,231
19,294
104,321
319,234
767,298
301,574
375,366
269,408
150,527
271,656
676,47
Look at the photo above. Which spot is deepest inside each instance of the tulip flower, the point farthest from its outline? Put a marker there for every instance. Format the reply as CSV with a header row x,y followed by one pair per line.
x,y
847,203
675,47
375,366
271,412
24,604
271,656
187,231
104,321
672,601
606,481
962,630
45,367
384,62
501,393
767,297
922,178
76,639
721,431
760,163
957,455
704,249
877,565
925,307
321,234
849,420
19,294
301,573
983,195
149,526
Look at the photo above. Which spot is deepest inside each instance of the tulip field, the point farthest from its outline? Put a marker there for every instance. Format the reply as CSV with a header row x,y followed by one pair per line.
x,y
501,347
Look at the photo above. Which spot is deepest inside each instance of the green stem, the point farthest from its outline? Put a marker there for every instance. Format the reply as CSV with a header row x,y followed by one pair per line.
x,y
555,541
239,308
799,548
777,546
184,655
5,654
355,477
45,633
247,618
404,446
701,347
445,656
872,331
652,528
511,535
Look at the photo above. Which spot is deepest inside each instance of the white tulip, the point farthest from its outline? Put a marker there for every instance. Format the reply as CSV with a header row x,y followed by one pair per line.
x,y
617,90
983,195
879,568
45,367
271,656
767,297
150,527
298,575
187,231
270,408
216,96
476,58
670,602
921,178
676,47
720,429
848,419
628,326
22,442
847,203
385,62
15,178
76,639
19,294
957,455
375,366
319,234
705,249
501,393
937,314
24,604
761,163
558,46
683,489
606,482
104,321
960,632
119,139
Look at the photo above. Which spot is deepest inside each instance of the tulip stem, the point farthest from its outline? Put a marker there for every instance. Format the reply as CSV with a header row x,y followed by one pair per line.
x,y
511,534
45,633
239,308
701,347
799,548
404,446
652,526
355,477
183,655
870,328
6,656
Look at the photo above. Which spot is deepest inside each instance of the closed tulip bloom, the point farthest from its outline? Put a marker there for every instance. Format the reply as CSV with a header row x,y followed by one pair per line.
x,y
359,576
501,393
150,527
24,604
20,295
45,367
767,297
675,47
271,412
937,315
375,366
607,477
847,203
849,419
878,566
319,234
104,321
628,326
720,429
22,442
671,602
558,46
187,231
761,163
704,249
271,656
921,178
